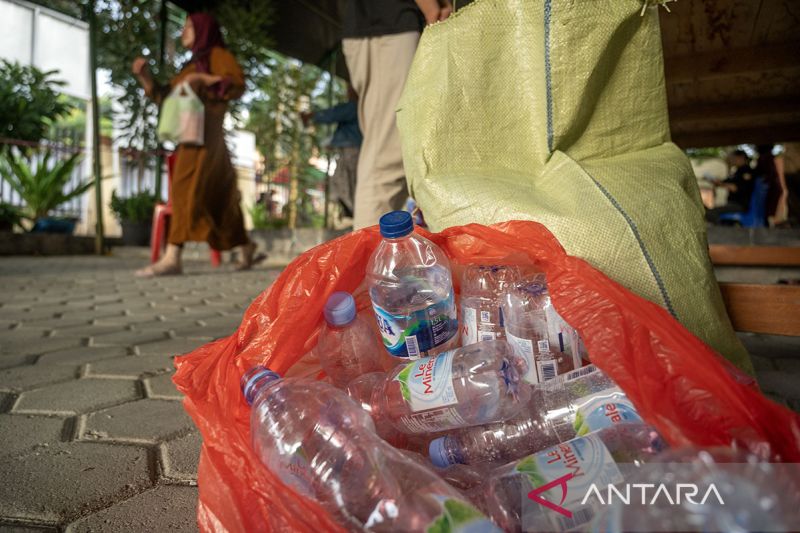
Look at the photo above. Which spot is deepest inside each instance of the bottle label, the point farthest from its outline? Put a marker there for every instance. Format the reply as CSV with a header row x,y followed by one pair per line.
x,y
294,472
602,410
433,421
563,336
414,334
459,516
589,462
469,327
538,371
428,383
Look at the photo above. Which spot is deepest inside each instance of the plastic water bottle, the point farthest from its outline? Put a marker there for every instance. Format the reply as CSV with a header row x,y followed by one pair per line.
x,y
481,290
411,290
472,385
347,344
537,332
736,492
570,468
321,444
575,404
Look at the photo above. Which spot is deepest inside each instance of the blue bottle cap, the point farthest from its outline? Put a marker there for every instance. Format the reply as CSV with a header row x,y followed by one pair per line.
x,y
253,379
437,451
340,309
396,224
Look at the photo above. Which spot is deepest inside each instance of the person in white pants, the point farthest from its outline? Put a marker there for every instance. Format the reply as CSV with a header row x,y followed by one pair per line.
x,y
379,41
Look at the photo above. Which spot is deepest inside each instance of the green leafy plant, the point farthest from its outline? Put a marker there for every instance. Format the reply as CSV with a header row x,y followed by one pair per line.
x,y
9,216
136,208
29,101
261,219
42,188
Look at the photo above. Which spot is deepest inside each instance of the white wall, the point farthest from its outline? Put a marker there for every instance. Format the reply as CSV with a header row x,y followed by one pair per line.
x,y
48,40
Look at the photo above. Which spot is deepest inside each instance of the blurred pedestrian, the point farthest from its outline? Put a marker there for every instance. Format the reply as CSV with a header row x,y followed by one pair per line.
x,y
205,199
740,187
346,141
379,41
766,170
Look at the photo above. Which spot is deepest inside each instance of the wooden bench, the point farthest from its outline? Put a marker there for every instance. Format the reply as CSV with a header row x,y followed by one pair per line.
x,y
774,256
769,309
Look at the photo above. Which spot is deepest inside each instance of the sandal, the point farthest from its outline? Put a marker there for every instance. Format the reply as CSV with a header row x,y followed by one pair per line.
x,y
155,270
249,257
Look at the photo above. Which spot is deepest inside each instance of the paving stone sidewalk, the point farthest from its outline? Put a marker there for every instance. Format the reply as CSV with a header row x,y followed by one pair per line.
x,y
93,436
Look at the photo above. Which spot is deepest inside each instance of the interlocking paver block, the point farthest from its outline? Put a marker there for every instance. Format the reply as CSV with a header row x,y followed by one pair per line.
x,y
182,456
128,338
133,366
79,396
21,433
145,420
88,330
177,346
162,387
30,376
782,384
67,480
36,344
10,361
79,356
165,508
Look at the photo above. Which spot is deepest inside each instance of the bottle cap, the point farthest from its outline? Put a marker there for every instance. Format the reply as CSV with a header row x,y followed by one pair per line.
x,y
340,309
437,451
253,380
396,224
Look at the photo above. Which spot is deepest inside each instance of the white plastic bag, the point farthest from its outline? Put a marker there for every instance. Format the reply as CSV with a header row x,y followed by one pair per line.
x,y
182,117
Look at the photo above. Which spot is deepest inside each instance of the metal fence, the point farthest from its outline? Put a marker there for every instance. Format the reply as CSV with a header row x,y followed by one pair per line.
x,y
126,171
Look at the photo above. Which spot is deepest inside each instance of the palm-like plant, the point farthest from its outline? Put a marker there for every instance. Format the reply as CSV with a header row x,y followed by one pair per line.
x,y
42,189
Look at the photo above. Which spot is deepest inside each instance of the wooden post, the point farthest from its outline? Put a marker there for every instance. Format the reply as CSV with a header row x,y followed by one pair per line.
x,y
99,239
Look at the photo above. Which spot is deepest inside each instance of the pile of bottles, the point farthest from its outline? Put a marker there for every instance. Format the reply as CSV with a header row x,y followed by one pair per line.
x,y
442,413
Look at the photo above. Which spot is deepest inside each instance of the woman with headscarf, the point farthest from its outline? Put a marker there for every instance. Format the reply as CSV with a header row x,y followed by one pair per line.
x,y
205,200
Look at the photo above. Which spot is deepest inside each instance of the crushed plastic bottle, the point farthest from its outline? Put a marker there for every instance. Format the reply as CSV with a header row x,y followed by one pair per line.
x,y
481,291
347,345
537,332
468,386
574,404
321,444
411,289
565,474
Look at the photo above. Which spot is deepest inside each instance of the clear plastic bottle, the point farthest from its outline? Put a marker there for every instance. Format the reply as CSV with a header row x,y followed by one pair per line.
x,y
481,290
537,332
571,468
572,405
748,495
411,289
320,443
468,386
347,345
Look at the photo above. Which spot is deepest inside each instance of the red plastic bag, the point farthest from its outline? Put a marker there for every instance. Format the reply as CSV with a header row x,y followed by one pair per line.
x,y
678,384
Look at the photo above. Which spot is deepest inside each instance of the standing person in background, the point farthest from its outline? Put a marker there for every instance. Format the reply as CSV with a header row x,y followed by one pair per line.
x,y
347,141
379,41
740,187
768,171
205,200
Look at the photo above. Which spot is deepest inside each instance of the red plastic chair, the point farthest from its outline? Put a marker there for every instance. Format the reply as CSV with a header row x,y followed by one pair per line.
x,y
158,235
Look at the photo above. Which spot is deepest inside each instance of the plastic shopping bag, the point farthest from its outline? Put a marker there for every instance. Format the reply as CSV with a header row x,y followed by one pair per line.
x,y
678,384
182,118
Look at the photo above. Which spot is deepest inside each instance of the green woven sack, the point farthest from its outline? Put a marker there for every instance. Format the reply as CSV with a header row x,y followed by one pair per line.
x,y
555,111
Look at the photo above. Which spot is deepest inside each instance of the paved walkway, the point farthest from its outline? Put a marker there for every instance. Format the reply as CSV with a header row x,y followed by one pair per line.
x,y
93,435
92,432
